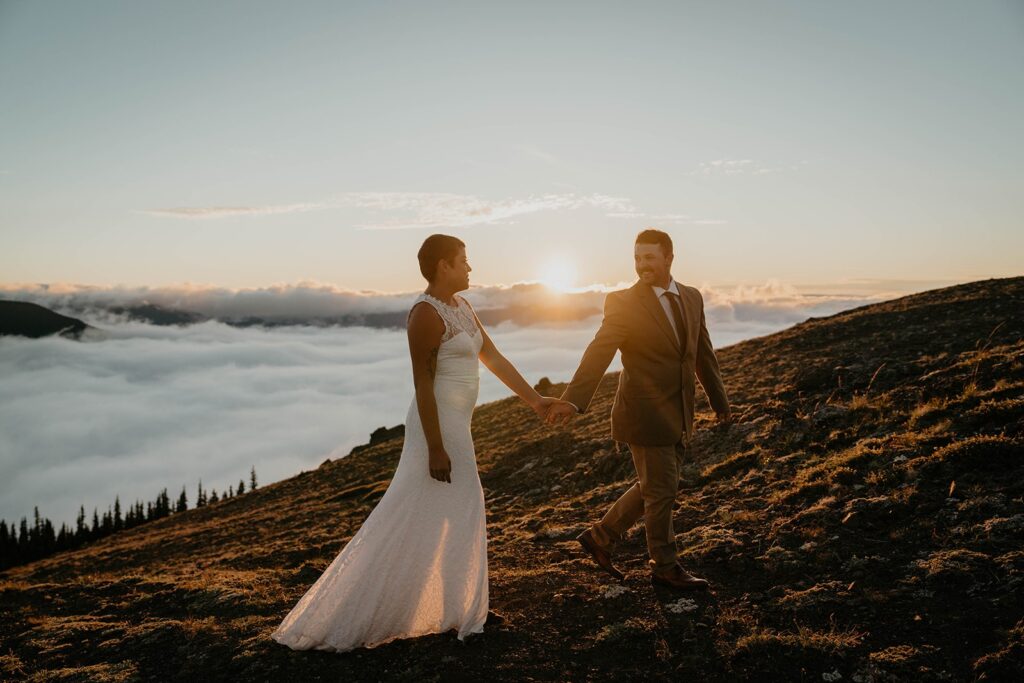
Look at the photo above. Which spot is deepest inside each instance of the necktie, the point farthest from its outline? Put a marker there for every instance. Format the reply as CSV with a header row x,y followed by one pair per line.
x,y
676,305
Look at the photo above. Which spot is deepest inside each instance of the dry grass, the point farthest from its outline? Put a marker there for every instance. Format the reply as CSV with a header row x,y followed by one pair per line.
x,y
829,503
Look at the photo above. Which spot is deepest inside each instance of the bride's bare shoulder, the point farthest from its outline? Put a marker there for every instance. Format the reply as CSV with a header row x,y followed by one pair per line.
x,y
424,319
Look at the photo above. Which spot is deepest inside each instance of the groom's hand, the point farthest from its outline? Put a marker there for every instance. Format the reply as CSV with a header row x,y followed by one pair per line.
x,y
542,406
440,465
560,413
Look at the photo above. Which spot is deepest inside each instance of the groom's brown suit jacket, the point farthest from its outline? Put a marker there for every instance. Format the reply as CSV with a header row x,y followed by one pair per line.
x,y
655,397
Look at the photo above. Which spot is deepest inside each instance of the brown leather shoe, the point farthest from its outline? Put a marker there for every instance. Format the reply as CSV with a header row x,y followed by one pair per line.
x,y
679,579
603,559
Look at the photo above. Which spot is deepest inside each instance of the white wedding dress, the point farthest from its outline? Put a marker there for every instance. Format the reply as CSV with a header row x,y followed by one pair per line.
x,y
418,564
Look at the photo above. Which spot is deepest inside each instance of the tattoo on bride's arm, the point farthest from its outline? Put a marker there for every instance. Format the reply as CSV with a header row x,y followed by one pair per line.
x,y
432,362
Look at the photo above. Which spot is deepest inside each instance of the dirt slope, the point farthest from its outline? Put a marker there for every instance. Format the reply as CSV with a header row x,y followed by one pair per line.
x,y
863,519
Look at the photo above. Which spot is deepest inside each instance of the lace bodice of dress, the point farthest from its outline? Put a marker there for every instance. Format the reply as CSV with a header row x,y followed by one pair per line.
x,y
456,318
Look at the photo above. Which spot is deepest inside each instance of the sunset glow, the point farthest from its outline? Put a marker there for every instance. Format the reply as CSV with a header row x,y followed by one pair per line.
x,y
558,275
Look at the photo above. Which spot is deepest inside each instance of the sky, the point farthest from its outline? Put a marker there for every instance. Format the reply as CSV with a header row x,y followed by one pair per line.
x,y
255,144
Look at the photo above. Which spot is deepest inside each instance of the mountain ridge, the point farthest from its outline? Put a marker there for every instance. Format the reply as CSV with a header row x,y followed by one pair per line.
x,y
544,307
862,518
25,319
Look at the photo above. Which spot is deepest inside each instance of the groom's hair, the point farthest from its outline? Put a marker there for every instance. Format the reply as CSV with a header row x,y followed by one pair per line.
x,y
435,248
652,236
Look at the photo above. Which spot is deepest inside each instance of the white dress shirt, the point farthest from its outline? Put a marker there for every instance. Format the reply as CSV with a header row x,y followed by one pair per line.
x,y
666,303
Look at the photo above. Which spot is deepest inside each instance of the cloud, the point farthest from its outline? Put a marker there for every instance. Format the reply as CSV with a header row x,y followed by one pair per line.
x,y
767,306
306,300
750,311
448,211
729,167
422,210
152,407
208,212
156,407
538,153
438,210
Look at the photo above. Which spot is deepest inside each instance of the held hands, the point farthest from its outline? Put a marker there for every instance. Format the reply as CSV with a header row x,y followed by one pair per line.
x,y
542,405
546,406
560,413
440,464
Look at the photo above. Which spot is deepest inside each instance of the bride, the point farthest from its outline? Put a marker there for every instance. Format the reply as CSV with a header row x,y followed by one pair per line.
x,y
418,564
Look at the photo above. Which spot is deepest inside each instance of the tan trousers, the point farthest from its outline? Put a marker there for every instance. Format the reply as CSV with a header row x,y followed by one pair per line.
x,y
651,497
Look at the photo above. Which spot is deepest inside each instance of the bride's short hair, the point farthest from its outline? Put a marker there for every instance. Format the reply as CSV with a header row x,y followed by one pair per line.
x,y
435,248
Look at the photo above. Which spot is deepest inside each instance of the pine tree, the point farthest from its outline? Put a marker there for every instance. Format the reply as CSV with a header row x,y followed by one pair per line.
x,y
149,511
231,491
49,538
163,504
252,478
241,487
182,501
23,539
118,521
95,524
213,496
6,546
80,529
200,496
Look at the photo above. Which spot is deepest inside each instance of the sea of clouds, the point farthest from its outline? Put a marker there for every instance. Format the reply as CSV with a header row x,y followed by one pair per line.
x,y
143,407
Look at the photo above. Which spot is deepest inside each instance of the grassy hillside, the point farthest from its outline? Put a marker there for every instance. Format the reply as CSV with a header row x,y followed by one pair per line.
x,y
864,518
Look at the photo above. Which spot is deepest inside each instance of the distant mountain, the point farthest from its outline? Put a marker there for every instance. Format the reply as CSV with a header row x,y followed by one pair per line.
x,y
158,315
863,520
520,315
20,318
33,320
523,304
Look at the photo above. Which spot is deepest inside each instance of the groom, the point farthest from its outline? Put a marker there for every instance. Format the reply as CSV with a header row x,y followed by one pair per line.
x,y
658,325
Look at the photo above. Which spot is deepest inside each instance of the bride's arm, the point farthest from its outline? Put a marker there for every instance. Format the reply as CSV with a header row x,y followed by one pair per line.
x,y
509,376
425,331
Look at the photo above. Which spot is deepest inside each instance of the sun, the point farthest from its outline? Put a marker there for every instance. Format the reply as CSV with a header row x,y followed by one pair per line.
x,y
558,275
